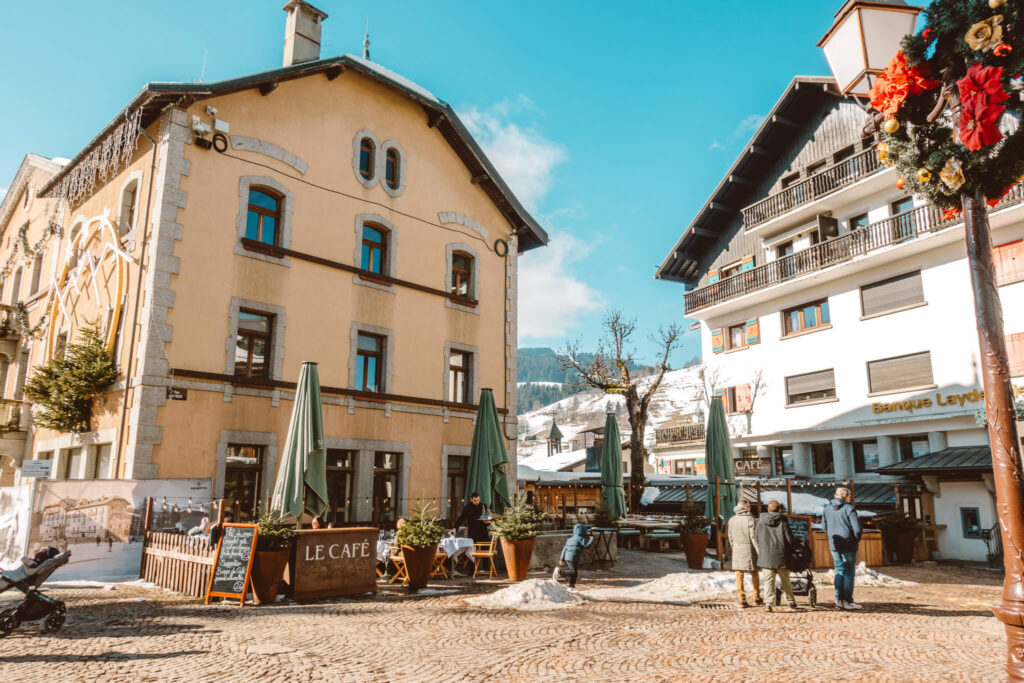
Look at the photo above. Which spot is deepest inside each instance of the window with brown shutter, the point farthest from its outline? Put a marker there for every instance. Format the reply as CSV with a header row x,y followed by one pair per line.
x,y
812,386
901,372
893,294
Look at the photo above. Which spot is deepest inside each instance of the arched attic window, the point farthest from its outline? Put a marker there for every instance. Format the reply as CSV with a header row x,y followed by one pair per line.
x,y
393,168
367,154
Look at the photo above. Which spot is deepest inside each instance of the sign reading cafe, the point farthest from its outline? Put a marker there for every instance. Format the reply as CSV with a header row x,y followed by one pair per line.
x,y
955,400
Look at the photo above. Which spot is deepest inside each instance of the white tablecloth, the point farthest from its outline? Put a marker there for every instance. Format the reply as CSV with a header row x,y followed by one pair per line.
x,y
384,550
455,547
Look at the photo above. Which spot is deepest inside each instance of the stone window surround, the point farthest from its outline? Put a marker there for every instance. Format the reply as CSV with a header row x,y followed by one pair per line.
x,y
377,167
474,362
446,450
362,471
86,441
387,373
382,167
474,276
233,436
390,253
276,335
284,228
129,237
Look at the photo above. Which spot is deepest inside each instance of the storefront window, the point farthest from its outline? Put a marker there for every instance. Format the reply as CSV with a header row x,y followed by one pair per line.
x,y
784,460
242,481
385,488
865,456
821,456
457,468
339,486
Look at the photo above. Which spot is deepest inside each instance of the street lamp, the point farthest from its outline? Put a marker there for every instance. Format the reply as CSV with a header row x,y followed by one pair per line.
x,y
863,39
966,60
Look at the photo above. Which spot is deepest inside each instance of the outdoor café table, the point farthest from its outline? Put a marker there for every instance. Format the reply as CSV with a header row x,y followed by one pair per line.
x,y
384,549
455,547
603,543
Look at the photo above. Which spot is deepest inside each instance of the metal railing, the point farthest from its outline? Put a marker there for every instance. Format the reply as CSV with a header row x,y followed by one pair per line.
x,y
826,181
893,230
683,434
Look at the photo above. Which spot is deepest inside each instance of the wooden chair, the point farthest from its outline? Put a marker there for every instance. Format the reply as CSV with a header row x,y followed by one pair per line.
x,y
439,569
485,551
399,562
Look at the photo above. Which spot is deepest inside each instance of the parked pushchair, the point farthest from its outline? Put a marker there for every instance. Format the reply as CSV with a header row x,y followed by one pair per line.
x,y
35,606
800,576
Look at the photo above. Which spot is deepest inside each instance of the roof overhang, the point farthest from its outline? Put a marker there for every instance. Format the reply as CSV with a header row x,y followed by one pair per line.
x,y
780,128
154,98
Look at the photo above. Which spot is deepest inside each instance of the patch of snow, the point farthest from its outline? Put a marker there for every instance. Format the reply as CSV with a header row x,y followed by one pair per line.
x,y
395,78
436,591
805,503
540,384
650,495
867,577
530,595
555,462
527,473
683,588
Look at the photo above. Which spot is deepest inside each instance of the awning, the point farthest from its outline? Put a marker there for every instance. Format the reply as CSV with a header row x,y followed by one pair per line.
x,y
959,459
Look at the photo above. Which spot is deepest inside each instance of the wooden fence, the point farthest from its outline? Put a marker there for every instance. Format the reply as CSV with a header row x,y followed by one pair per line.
x,y
177,562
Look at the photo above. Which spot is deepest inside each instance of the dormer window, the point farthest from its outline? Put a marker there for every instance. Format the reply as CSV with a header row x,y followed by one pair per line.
x,y
367,152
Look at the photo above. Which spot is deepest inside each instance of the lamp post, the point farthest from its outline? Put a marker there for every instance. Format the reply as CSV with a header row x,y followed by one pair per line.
x,y
864,36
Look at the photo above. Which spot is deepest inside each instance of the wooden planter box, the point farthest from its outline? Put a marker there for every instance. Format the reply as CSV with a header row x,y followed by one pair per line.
x,y
869,551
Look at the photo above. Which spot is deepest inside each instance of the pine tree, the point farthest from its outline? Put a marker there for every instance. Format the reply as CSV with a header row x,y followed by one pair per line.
x,y
64,389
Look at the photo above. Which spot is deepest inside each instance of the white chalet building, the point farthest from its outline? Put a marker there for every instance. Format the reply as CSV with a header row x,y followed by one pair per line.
x,y
809,269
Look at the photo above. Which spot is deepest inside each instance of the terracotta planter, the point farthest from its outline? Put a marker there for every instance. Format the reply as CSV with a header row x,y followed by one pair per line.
x,y
901,544
694,546
418,563
517,558
267,572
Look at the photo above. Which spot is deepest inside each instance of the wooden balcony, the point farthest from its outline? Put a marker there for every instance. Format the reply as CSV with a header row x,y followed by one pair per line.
x,y
682,435
829,180
893,230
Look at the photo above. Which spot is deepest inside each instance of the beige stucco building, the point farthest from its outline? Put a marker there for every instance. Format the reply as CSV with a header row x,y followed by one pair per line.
x,y
222,233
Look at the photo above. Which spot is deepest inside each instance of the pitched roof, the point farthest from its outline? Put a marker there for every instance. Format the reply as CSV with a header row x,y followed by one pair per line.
x,y
555,432
20,178
155,97
948,460
673,492
739,188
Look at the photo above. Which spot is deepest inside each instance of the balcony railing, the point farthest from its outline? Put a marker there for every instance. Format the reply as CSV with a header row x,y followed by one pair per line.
x,y
10,415
680,435
893,230
835,177
9,327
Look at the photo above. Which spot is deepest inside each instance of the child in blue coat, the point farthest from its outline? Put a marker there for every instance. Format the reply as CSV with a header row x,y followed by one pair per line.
x,y
572,553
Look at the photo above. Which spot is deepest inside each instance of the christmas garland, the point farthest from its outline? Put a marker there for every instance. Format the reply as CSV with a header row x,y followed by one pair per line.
x,y
950,103
21,243
22,315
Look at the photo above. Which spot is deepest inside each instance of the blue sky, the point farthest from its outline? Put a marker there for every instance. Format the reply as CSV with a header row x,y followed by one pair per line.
x,y
613,121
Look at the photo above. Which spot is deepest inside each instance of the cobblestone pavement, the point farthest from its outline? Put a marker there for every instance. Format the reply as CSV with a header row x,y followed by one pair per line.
x,y
939,630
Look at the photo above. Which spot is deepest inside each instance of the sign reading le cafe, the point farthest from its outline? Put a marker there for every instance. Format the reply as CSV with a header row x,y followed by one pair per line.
x,y
961,400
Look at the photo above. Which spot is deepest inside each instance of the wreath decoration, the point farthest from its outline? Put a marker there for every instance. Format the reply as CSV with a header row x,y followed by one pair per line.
x,y
951,102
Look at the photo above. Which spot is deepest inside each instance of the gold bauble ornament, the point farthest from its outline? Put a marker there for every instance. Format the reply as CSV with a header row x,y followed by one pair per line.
x,y
924,175
996,4
891,126
882,155
882,147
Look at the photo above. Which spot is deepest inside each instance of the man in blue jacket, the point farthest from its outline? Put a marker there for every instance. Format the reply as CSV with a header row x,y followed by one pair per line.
x,y
572,553
842,527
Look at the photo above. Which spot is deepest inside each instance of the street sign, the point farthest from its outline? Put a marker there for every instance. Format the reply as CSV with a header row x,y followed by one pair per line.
x,y
38,469
177,394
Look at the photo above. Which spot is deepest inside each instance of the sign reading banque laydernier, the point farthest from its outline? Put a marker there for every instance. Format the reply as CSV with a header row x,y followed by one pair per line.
x,y
232,566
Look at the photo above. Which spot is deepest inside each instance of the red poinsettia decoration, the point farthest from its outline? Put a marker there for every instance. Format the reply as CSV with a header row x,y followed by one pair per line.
x,y
898,82
996,200
981,105
951,213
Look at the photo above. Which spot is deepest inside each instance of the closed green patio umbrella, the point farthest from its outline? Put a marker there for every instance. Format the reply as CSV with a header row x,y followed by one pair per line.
x,y
718,460
302,476
488,457
612,496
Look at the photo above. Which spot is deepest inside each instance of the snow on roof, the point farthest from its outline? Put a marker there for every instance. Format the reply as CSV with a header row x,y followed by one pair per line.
x,y
395,78
525,473
557,461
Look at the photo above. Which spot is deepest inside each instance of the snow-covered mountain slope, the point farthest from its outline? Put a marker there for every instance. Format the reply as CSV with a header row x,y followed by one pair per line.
x,y
677,395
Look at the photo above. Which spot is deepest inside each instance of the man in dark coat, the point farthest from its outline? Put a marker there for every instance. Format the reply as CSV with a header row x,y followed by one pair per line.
x,y
775,542
471,516
842,527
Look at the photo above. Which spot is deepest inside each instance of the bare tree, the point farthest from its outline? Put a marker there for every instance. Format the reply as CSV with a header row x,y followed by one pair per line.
x,y
609,370
709,379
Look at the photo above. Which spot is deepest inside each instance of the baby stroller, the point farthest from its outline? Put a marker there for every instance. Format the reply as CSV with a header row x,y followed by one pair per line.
x,y
800,576
27,578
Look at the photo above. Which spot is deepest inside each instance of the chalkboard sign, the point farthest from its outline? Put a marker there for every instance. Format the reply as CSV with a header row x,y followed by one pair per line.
x,y
233,563
800,525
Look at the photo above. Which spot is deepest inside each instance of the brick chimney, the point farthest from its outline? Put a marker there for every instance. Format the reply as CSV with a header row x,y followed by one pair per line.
x,y
302,32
